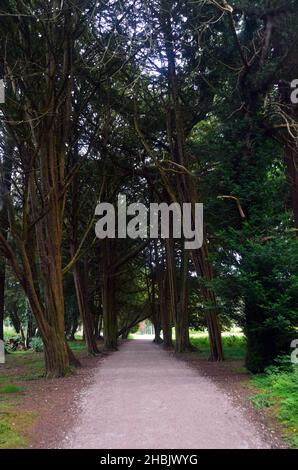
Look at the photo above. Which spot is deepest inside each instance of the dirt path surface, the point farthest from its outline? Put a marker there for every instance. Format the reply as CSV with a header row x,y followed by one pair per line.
x,y
142,397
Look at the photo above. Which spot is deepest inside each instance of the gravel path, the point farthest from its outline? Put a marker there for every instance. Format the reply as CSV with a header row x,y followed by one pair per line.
x,y
142,397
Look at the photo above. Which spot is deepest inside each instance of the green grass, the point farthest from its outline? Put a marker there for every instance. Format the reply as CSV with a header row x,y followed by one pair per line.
x,y
279,391
13,427
234,345
9,438
21,366
12,423
11,389
77,345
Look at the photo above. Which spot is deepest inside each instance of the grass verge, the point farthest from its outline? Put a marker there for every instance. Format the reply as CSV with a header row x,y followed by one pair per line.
x,y
278,393
20,368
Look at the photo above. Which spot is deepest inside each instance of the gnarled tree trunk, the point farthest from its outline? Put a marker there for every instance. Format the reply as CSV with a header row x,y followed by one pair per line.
x,y
172,295
203,267
166,322
86,316
110,327
182,343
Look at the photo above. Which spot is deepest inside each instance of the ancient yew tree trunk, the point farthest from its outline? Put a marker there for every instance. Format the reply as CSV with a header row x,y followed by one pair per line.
x,y
172,296
39,105
80,268
110,328
165,314
157,327
79,274
203,267
49,238
178,298
182,324
50,138
163,322
152,294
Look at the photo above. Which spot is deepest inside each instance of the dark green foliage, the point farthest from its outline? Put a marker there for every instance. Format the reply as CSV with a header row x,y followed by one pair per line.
x,y
256,258
271,297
